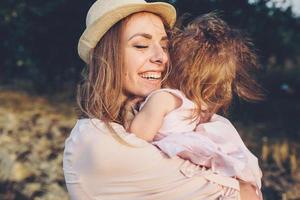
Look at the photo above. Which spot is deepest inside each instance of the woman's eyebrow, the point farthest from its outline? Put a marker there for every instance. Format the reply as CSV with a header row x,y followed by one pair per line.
x,y
147,36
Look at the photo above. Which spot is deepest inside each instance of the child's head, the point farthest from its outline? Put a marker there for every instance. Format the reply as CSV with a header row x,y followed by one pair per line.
x,y
210,61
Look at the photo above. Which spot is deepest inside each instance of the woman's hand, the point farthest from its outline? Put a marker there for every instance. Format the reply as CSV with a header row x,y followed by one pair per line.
x,y
128,111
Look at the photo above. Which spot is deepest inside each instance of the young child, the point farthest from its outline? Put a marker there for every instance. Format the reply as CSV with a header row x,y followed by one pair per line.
x,y
210,62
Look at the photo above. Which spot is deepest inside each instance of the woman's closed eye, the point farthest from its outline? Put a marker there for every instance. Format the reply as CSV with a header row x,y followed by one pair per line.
x,y
165,48
138,46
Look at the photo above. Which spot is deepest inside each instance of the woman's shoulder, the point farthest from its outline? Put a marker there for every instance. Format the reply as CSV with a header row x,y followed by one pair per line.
x,y
97,125
87,130
86,125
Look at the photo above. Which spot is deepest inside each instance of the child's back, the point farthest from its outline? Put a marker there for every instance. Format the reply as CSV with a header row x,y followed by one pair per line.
x,y
211,61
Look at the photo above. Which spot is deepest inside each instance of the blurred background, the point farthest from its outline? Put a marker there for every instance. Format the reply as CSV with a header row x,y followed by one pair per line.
x,y
39,71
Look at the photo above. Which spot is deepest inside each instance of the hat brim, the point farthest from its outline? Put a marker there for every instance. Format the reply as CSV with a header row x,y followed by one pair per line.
x,y
97,29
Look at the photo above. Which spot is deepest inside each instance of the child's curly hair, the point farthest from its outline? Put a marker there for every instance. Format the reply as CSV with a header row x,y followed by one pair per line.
x,y
210,62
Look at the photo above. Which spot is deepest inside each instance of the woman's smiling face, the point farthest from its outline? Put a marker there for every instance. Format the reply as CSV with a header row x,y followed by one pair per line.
x,y
145,45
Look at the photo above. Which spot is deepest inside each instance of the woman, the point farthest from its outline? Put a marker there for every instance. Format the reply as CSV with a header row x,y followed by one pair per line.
x,y
125,46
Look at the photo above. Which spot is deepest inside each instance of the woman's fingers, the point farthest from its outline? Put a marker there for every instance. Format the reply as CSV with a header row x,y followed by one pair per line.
x,y
128,112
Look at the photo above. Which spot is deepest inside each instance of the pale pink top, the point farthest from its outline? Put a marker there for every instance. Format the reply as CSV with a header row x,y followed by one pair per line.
x,y
97,166
216,144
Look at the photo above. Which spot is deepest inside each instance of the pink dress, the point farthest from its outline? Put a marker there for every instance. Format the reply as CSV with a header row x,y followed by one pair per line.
x,y
215,144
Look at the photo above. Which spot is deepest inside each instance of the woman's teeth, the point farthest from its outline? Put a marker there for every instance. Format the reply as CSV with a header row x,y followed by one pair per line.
x,y
151,76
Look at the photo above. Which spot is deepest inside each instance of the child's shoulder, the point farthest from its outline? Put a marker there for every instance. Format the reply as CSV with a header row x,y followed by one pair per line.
x,y
167,93
165,96
168,98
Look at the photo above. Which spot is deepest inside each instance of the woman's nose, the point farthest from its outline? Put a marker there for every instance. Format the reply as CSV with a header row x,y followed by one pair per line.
x,y
159,56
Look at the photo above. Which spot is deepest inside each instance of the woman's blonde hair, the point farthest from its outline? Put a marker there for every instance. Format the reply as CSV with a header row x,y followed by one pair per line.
x,y
100,94
210,61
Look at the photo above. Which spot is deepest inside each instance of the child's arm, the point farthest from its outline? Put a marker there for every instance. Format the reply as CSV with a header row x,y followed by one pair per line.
x,y
147,122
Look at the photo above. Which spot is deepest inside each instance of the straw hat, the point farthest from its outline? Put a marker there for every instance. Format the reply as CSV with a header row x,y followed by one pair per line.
x,y
103,14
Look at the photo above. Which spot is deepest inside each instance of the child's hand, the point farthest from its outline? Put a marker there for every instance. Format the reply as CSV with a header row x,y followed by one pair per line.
x,y
128,111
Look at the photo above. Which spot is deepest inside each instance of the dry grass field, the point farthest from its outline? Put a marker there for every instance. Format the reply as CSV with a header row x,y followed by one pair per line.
x,y
32,134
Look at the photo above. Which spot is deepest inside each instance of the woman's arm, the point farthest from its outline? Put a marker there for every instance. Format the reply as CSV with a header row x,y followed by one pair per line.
x,y
147,122
93,154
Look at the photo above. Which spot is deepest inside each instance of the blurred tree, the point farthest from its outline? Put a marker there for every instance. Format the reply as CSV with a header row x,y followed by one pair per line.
x,y
40,42
274,30
39,39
